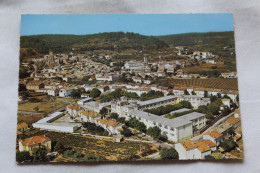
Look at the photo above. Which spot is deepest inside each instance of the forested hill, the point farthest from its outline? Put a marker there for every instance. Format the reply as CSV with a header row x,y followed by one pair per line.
x,y
111,41
201,41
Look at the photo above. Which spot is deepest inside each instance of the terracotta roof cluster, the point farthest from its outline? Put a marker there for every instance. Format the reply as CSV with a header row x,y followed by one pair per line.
x,y
21,125
74,107
90,114
214,134
232,121
35,140
108,122
202,145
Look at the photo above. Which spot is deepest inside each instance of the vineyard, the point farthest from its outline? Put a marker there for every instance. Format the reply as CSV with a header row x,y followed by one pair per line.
x,y
214,83
105,148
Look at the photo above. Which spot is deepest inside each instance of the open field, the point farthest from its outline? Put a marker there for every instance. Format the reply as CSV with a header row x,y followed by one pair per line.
x,y
28,119
67,99
43,106
214,83
105,148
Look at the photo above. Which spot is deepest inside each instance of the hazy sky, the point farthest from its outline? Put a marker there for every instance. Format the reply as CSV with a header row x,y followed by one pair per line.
x,y
146,24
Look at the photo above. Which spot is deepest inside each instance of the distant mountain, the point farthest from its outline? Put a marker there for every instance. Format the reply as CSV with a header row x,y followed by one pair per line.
x,y
108,41
201,41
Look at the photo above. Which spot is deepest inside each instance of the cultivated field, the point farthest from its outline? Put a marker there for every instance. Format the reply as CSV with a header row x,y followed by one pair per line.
x,y
47,107
214,83
105,148
28,119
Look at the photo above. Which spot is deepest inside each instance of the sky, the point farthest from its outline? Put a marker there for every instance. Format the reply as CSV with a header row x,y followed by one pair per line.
x,y
145,24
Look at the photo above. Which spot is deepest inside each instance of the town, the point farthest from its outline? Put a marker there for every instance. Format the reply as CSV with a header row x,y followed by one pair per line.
x,y
110,105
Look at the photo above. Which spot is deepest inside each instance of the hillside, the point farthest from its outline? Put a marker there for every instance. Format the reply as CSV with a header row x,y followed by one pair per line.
x,y
108,41
211,41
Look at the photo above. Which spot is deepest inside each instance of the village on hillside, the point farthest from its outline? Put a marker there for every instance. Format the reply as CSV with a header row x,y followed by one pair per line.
x,y
128,87
92,107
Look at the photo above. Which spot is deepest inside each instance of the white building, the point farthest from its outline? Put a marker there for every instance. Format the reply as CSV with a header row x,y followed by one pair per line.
x,y
214,136
65,92
112,126
134,65
83,101
47,124
190,150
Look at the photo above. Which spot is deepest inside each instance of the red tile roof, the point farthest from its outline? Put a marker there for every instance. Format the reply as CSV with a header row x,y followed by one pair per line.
x,y
35,140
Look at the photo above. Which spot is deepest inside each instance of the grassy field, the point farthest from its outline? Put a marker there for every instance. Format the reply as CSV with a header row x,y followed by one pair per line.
x,y
43,106
105,148
28,119
67,99
216,83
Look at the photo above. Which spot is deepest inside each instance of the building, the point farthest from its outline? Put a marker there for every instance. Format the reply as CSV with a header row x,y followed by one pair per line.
x,y
153,103
83,101
89,116
190,150
176,129
134,65
49,124
65,92
34,85
73,110
112,126
22,127
31,143
214,136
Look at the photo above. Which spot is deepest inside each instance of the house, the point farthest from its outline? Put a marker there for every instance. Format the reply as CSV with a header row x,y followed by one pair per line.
x,y
211,61
89,116
65,92
195,150
226,102
234,122
214,136
31,143
53,92
73,110
195,100
22,127
112,126
137,79
34,85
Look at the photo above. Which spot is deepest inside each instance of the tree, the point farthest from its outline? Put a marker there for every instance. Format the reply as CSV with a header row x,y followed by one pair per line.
x,y
36,108
75,94
59,147
103,111
126,132
141,127
209,157
218,95
193,93
202,109
94,93
237,98
39,154
121,120
186,104
114,116
169,154
154,132
213,98
205,93
23,156
186,92
228,144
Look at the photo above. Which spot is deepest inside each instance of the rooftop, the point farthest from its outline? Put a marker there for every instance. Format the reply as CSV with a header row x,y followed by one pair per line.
x,y
214,134
35,140
142,103
108,122
232,121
